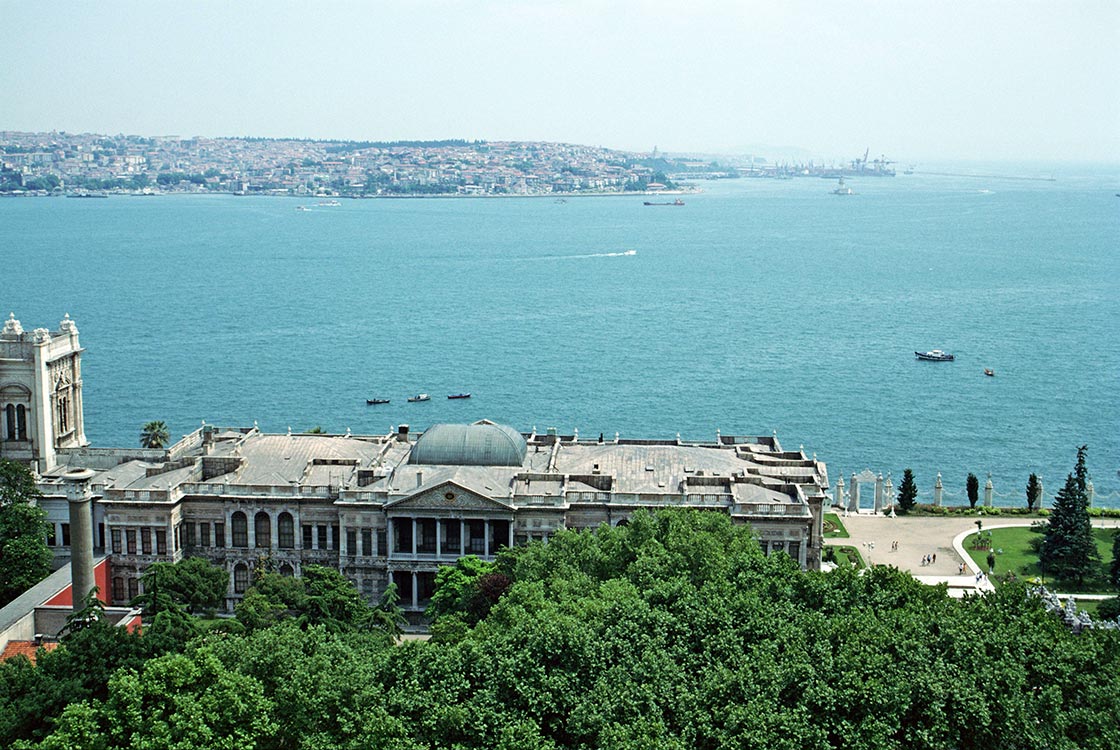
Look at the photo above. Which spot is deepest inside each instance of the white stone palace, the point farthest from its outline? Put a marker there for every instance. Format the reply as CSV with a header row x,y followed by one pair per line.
x,y
379,508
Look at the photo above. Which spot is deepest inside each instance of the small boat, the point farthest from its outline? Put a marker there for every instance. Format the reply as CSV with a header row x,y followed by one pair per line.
x,y
419,397
934,355
989,372
329,203
302,208
372,401
677,202
843,189
458,395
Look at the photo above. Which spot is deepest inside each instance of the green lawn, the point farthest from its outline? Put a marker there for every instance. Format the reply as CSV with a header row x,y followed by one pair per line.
x,y
1013,553
834,527
848,556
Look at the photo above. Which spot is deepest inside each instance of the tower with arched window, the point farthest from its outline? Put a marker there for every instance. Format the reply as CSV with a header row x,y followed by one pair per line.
x,y
40,393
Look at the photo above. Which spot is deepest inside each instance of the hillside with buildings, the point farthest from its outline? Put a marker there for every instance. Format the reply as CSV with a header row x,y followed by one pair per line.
x,y
59,162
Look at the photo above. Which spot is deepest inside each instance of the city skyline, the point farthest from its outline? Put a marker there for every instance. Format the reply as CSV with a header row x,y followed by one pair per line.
x,y
919,81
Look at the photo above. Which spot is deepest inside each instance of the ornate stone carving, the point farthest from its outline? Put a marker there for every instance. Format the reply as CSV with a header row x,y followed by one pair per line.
x,y
448,497
12,326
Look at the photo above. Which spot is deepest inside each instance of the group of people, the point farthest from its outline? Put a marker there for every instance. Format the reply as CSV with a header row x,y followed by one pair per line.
x,y
929,559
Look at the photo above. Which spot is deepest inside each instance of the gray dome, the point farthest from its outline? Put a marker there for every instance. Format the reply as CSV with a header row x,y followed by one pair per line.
x,y
479,444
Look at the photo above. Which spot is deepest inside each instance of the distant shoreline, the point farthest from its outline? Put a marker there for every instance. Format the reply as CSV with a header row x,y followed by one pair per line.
x,y
405,196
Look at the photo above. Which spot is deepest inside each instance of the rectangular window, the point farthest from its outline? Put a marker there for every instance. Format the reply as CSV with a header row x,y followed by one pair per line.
x,y
133,588
65,535
367,542
321,532
381,546
161,541
177,538
336,539
51,540
307,537
204,535
101,536
189,526
219,535
118,589
351,542
115,535
146,541
130,538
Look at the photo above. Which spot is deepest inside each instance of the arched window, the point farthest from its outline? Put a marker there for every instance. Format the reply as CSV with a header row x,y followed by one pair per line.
x,y
21,422
263,527
240,528
240,578
10,419
286,531
286,570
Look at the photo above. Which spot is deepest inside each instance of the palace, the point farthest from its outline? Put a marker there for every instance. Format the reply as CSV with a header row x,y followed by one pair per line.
x,y
379,508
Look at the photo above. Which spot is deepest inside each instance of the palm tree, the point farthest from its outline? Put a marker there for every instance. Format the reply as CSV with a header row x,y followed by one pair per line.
x,y
154,435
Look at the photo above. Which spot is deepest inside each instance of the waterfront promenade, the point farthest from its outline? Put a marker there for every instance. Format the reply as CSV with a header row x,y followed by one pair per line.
x,y
918,536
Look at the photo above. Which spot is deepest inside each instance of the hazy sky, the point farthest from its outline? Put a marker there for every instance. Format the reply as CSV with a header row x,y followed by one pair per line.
x,y
913,80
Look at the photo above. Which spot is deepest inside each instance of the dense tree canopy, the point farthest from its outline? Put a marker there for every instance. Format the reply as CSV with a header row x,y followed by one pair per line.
x,y
194,583
25,558
672,632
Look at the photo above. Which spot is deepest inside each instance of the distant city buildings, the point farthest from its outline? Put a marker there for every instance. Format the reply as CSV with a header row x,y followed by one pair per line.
x,y
43,163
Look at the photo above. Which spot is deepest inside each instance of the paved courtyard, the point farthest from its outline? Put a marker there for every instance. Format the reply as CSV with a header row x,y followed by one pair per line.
x,y
918,536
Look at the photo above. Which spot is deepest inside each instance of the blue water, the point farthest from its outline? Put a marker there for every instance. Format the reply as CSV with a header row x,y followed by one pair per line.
x,y
759,306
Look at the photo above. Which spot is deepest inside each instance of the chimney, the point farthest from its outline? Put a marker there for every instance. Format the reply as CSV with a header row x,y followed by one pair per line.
x,y
81,534
402,434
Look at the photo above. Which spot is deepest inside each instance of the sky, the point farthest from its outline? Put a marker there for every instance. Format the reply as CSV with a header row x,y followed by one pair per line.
x,y
913,80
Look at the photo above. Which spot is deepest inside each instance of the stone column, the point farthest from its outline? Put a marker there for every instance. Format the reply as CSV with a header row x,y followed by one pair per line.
x,y
462,538
988,491
879,493
1089,491
486,538
938,488
81,534
439,537
853,493
342,547
250,529
415,598
510,527
414,552
389,540
838,500
274,537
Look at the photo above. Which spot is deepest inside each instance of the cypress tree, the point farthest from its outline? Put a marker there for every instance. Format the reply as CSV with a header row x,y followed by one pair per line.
x,y
972,487
1114,569
1032,491
907,492
1069,552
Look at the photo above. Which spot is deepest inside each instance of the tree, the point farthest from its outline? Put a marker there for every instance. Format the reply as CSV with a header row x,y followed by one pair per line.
x,y
25,558
1069,552
1114,568
193,582
972,486
907,492
1032,491
154,435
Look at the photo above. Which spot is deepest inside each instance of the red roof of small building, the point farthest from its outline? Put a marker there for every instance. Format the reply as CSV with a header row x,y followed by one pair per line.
x,y
25,648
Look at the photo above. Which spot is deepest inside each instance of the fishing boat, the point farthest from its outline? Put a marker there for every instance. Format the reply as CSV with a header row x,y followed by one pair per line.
x,y
989,372
372,401
458,395
677,202
934,355
419,397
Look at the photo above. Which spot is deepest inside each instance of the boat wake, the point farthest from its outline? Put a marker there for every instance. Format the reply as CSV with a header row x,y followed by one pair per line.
x,y
623,254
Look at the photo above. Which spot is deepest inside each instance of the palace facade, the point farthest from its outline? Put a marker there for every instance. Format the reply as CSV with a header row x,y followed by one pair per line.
x,y
386,508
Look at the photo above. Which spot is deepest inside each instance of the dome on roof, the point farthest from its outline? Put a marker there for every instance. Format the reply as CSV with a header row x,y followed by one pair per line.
x,y
479,444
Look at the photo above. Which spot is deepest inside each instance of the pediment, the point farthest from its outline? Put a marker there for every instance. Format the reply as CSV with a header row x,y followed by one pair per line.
x,y
448,497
